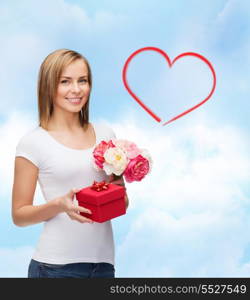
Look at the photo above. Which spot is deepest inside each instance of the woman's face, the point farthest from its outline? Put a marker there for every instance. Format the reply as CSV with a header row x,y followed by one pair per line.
x,y
73,88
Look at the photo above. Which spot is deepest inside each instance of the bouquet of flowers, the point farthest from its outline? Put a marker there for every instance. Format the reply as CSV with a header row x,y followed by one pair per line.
x,y
122,157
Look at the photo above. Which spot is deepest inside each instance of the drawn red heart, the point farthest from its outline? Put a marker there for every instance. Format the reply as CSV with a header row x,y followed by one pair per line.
x,y
170,64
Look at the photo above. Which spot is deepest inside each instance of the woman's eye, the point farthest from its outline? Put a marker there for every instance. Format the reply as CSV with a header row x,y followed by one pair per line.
x,y
83,80
67,81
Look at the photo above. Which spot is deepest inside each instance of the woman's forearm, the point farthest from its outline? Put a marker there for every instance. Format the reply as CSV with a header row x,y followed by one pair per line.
x,y
126,201
33,214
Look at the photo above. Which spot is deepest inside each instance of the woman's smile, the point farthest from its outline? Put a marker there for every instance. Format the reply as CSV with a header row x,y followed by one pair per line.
x,y
74,100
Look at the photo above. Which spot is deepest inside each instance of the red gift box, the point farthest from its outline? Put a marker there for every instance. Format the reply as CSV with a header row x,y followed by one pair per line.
x,y
105,200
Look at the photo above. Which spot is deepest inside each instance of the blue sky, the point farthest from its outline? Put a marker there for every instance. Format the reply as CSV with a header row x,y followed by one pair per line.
x,y
192,212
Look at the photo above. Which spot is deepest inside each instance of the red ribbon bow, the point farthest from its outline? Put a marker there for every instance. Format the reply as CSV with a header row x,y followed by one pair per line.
x,y
99,186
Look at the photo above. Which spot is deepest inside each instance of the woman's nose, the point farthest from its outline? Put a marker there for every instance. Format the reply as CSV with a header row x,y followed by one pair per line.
x,y
75,87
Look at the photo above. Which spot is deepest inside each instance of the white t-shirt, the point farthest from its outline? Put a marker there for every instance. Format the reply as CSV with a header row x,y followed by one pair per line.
x,y
62,168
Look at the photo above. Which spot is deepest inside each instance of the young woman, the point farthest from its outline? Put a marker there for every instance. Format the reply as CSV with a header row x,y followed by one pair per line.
x,y
58,154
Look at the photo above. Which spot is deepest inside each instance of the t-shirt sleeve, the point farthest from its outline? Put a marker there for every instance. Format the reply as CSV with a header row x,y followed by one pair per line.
x,y
106,132
112,133
26,148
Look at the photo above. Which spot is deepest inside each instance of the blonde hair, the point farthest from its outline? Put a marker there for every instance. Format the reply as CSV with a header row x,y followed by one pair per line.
x,y
48,80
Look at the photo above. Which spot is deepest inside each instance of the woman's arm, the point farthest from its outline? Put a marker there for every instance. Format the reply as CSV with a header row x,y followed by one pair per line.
x,y
24,213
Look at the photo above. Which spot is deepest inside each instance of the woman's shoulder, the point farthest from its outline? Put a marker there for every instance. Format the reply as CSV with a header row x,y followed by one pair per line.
x,y
105,129
31,136
30,146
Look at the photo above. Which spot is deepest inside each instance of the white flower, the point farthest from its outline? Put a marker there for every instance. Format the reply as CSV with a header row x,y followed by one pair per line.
x,y
115,161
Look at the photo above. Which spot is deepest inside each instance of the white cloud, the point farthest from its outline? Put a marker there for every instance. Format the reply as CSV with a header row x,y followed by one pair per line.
x,y
14,262
191,212
206,244
33,30
232,8
58,18
196,158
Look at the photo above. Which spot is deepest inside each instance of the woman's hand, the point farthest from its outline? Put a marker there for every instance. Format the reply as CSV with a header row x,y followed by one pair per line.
x,y
116,180
73,211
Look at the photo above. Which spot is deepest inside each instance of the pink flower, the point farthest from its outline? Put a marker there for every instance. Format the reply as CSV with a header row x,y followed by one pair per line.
x,y
128,147
99,151
137,169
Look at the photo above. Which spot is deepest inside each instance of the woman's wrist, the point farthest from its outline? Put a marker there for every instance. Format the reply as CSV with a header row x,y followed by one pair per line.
x,y
58,204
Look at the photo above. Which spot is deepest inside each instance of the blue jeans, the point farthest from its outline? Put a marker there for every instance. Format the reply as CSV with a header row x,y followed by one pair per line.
x,y
75,270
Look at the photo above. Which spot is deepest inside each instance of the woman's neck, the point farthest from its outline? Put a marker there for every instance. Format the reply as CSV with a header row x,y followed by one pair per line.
x,y
70,123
